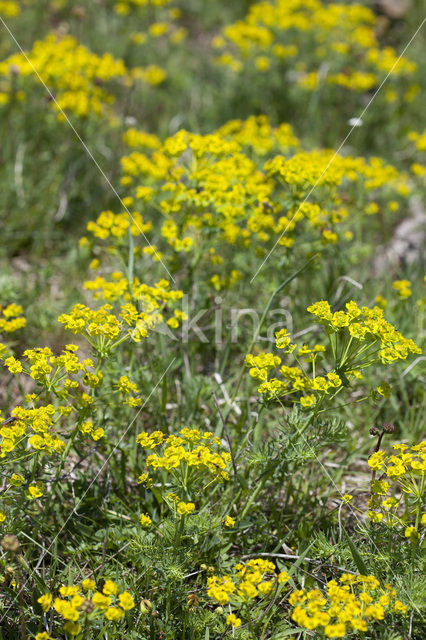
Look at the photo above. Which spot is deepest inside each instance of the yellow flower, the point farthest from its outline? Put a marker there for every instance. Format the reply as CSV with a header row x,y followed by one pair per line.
x,y
233,621
126,601
403,287
100,600
66,610
45,601
265,587
110,588
247,590
375,516
228,521
399,607
13,365
35,490
412,533
335,630
185,508
114,613
88,584
283,577
73,628
145,520
308,401
384,389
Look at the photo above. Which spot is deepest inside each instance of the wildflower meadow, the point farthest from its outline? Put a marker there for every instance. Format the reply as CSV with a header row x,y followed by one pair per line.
x,y
212,320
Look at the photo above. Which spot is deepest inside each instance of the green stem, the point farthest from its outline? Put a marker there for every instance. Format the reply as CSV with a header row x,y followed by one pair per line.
x,y
131,259
263,318
252,498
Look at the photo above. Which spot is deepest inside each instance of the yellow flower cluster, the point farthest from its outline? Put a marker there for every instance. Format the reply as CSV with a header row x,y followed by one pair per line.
x,y
11,318
33,427
54,373
133,138
239,187
145,520
348,605
358,338
185,508
162,23
64,376
253,579
150,302
405,472
116,225
83,599
403,288
295,378
308,169
191,449
327,43
9,8
127,388
104,330
368,326
77,77
419,139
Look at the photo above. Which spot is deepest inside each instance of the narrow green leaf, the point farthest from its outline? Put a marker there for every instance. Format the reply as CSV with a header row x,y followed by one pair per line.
x,y
287,632
360,565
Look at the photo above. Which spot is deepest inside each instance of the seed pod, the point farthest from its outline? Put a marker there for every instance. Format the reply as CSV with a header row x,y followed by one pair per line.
x,y
87,606
145,606
10,543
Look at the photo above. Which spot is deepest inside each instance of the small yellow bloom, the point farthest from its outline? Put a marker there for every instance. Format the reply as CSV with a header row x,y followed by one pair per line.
x,y
233,621
88,584
110,588
114,613
45,601
126,601
145,520
283,577
73,628
412,533
185,508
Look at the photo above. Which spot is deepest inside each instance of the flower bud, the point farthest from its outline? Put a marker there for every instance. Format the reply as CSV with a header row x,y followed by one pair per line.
x,y
87,606
10,543
374,431
14,70
145,606
192,600
388,427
